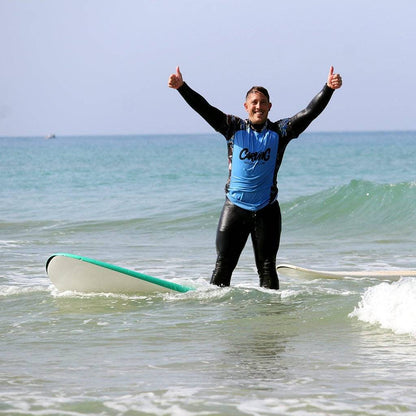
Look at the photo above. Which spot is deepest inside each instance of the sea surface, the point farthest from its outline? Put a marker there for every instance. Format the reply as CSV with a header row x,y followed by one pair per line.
x,y
151,203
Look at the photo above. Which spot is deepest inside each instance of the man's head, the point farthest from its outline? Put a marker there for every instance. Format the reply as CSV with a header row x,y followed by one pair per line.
x,y
257,104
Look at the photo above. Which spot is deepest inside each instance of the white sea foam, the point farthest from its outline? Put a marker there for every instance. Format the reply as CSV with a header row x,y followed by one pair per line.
x,y
4,244
11,290
91,295
390,305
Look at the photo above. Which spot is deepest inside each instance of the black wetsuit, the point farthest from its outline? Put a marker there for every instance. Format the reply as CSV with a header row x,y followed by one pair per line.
x,y
251,206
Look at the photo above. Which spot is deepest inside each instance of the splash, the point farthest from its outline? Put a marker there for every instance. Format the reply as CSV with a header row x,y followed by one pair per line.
x,y
392,306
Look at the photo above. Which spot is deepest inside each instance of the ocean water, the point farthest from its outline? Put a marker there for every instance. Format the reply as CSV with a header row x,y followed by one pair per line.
x,y
151,203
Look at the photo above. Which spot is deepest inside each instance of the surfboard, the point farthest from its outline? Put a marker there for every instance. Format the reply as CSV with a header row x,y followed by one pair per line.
x,y
297,271
86,275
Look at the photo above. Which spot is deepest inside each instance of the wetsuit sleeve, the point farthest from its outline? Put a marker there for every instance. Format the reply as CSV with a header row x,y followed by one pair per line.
x,y
214,117
300,121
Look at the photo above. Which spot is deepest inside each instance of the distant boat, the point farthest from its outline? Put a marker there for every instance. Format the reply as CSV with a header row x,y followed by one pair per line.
x,y
50,136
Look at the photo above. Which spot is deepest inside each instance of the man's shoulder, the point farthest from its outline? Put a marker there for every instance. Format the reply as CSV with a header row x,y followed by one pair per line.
x,y
236,123
280,126
232,125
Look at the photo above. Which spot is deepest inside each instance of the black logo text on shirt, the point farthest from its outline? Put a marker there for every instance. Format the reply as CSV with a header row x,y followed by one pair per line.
x,y
254,156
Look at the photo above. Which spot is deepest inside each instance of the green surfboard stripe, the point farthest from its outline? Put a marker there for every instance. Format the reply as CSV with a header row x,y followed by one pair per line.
x,y
169,285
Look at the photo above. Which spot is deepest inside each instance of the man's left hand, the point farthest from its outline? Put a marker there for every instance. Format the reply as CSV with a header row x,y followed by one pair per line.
x,y
334,80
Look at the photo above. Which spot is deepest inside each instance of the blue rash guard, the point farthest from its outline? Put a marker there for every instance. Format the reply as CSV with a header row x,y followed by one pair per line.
x,y
255,152
254,157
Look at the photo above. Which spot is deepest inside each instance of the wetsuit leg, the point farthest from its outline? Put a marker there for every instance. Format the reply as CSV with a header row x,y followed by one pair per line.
x,y
266,240
233,230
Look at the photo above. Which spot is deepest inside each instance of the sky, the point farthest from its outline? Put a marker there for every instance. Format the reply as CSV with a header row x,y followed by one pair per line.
x,y
100,67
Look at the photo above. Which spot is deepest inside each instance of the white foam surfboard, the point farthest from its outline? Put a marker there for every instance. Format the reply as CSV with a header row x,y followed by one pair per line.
x,y
86,275
297,271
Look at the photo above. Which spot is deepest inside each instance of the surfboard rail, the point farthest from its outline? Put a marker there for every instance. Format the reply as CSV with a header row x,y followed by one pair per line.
x,y
293,270
84,274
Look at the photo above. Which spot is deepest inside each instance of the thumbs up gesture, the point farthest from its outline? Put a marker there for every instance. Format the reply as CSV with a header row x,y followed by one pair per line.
x,y
175,80
334,80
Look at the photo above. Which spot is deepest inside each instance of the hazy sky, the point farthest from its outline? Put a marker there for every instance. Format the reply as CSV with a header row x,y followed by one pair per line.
x,y
101,67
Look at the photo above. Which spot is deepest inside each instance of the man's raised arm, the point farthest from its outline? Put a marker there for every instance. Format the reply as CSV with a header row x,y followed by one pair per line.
x,y
214,117
300,121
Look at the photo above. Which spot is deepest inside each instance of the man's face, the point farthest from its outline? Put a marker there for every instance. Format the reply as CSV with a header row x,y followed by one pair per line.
x,y
257,106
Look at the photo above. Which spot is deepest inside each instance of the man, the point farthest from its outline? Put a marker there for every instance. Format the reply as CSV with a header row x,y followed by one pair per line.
x,y
255,152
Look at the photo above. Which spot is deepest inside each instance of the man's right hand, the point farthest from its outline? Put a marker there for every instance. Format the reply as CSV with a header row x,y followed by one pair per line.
x,y
175,80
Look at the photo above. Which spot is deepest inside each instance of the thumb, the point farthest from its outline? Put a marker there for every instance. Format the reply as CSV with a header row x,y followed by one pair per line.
x,y
331,71
178,71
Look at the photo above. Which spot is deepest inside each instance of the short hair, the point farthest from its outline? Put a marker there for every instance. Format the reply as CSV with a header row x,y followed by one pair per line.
x,y
258,89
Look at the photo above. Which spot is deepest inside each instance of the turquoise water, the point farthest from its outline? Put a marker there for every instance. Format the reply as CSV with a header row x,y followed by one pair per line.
x,y
151,203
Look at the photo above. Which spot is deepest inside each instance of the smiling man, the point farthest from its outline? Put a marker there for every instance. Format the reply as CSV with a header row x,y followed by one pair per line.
x,y
255,152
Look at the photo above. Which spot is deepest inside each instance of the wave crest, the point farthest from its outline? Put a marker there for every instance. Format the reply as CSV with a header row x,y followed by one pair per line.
x,y
360,206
